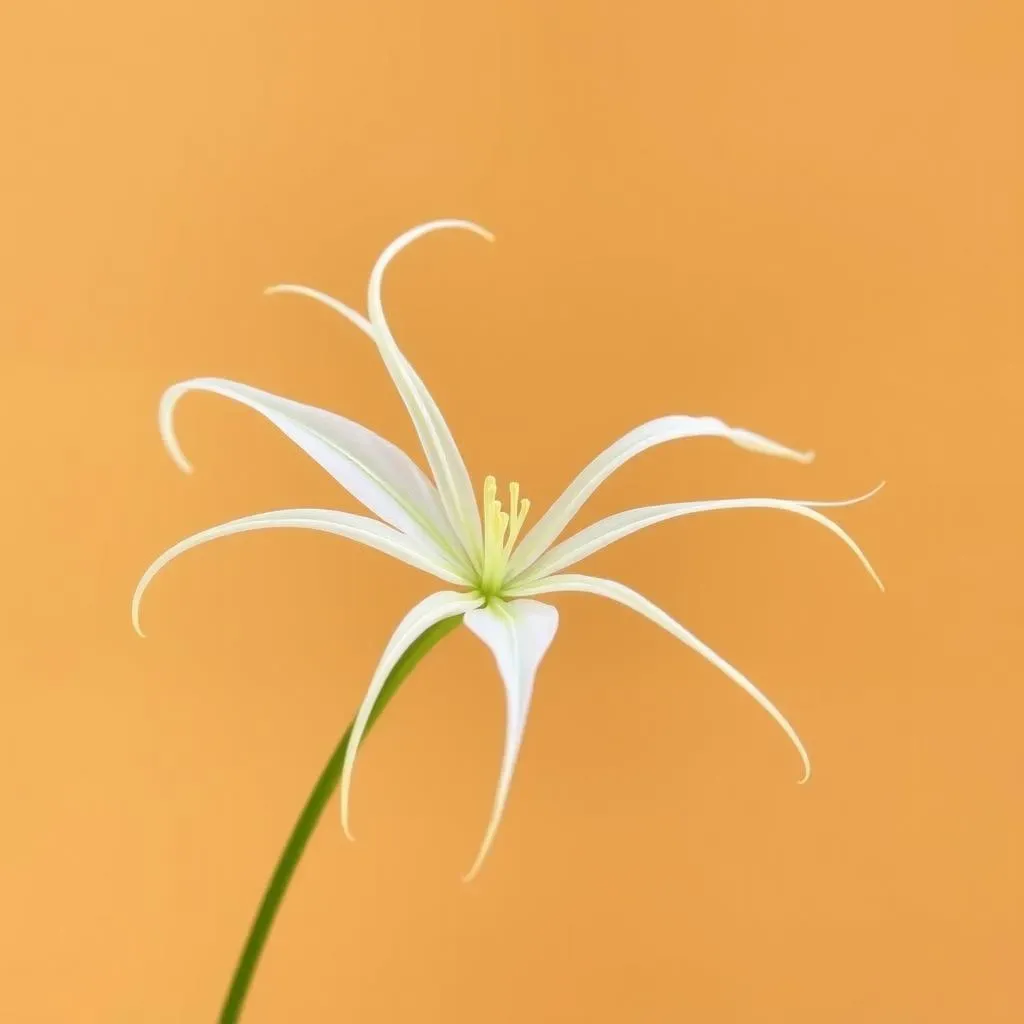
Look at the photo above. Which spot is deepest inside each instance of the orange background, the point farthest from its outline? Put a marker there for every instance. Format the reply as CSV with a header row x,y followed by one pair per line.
x,y
806,218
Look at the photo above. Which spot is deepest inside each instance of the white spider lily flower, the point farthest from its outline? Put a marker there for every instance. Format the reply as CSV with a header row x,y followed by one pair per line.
x,y
437,527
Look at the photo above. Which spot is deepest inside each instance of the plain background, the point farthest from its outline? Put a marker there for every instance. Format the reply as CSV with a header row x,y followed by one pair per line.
x,y
806,218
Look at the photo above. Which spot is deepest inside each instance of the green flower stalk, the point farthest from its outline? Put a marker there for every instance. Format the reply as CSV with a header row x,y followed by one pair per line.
x,y
436,525
296,845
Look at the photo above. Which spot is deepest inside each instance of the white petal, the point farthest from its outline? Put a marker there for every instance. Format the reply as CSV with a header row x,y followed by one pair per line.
x,y
443,456
409,384
615,528
439,445
372,469
353,316
647,435
519,634
360,321
429,611
631,599
343,524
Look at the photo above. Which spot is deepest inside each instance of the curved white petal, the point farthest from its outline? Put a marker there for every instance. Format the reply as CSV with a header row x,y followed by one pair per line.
x,y
439,445
360,321
411,377
430,610
518,634
350,314
443,455
614,528
647,435
372,469
631,599
343,524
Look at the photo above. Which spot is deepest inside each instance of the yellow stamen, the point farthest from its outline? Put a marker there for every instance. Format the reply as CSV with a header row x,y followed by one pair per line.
x,y
490,490
523,507
501,529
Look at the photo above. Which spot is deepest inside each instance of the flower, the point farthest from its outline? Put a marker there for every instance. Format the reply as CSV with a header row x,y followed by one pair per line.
x,y
438,527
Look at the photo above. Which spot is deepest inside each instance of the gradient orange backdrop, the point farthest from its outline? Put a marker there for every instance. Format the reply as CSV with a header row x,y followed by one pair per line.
x,y
807,218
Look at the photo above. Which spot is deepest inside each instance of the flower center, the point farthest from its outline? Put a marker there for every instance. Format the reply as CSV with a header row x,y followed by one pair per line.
x,y
501,529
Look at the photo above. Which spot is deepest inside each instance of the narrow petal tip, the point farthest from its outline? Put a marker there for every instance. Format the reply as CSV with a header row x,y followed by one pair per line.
x,y
485,849
766,446
867,494
345,827
285,288
871,570
471,874
805,758
176,454
468,225
165,422
136,605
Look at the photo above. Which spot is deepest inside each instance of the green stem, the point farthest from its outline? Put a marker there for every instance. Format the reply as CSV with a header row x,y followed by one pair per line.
x,y
308,819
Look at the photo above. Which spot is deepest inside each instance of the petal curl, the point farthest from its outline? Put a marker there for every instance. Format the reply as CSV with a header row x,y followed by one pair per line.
x,y
446,462
372,469
430,610
442,453
614,528
647,435
342,524
623,595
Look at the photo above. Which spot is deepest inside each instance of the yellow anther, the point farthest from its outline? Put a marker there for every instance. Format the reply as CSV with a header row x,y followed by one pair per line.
x,y
490,490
